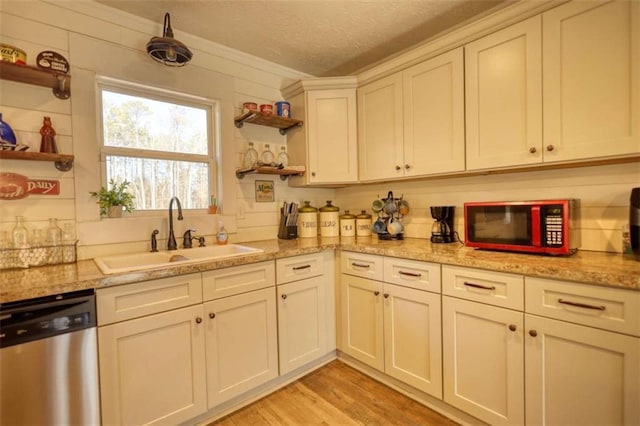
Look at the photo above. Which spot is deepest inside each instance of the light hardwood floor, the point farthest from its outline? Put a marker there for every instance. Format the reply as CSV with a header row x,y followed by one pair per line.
x,y
335,394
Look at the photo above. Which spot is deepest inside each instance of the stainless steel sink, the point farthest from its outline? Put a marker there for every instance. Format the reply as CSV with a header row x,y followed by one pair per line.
x,y
140,261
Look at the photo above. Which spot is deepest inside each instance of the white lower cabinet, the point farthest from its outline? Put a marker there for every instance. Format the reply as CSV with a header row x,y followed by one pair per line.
x,y
241,344
579,375
151,367
483,356
394,328
306,309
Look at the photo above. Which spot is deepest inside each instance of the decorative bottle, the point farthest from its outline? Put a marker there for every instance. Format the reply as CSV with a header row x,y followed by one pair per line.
x,y
68,243
20,235
283,157
48,142
251,156
267,157
54,240
221,237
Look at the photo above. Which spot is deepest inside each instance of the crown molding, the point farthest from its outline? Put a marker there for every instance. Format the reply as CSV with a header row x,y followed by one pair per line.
x,y
321,83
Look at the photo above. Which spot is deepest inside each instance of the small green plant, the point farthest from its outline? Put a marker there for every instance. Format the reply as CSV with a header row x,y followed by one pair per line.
x,y
118,195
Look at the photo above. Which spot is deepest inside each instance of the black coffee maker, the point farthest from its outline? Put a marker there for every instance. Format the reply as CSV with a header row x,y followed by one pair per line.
x,y
442,228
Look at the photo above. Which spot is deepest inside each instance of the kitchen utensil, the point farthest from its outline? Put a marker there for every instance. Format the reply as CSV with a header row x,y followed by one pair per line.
x,y
403,207
442,228
379,226
377,205
394,226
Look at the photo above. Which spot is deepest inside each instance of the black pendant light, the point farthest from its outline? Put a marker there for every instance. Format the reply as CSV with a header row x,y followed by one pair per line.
x,y
168,50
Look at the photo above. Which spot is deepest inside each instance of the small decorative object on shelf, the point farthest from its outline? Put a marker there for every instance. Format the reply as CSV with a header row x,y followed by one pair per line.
x,y
48,141
250,157
7,136
213,206
270,120
283,157
53,61
267,158
113,201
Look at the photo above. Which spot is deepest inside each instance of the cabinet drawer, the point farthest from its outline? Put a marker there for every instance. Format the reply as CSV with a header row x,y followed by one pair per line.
x,y
125,302
494,288
362,265
412,273
237,279
299,267
607,308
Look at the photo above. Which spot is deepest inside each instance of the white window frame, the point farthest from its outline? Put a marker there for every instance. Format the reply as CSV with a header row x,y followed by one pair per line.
x,y
164,95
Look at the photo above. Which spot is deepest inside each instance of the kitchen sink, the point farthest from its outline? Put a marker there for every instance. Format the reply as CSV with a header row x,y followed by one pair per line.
x,y
140,261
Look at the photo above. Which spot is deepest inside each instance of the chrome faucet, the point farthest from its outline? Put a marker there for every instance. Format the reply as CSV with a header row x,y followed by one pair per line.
x,y
171,241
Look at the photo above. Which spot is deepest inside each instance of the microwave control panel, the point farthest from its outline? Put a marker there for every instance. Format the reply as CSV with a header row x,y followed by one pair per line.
x,y
553,225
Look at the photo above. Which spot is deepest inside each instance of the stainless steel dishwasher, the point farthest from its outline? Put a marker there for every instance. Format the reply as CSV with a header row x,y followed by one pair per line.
x,y
49,362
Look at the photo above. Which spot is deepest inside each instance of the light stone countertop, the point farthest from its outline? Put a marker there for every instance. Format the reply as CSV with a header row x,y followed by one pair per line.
x,y
604,269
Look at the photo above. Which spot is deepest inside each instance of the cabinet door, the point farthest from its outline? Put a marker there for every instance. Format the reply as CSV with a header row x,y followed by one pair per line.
x,y
503,75
580,375
434,115
332,136
591,60
483,369
152,368
412,338
302,325
242,344
362,332
380,150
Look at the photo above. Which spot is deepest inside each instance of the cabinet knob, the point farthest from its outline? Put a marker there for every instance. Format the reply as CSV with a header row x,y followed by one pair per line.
x,y
212,315
550,148
533,333
407,166
198,320
284,296
398,168
512,327
533,150
313,174
376,293
386,295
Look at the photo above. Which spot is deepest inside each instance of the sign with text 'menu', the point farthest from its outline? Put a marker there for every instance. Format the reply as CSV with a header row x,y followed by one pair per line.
x,y
14,186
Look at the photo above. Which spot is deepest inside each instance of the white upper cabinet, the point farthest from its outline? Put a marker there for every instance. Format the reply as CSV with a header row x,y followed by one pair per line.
x,y
380,127
434,115
503,75
327,142
591,80
412,123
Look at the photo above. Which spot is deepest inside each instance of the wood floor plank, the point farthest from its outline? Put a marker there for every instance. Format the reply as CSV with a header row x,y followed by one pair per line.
x,y
335,394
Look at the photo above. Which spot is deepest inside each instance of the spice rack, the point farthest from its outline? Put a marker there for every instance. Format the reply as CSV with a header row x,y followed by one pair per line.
x,y
256,117
62,162
60,83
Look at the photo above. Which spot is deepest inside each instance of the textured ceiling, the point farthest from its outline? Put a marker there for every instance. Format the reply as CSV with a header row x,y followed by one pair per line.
x,y
319,37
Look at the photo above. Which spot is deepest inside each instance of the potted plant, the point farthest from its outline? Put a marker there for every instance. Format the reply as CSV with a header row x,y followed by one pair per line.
x,y
113,201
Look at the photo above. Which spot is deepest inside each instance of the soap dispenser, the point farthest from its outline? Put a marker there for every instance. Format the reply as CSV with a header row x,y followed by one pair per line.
x,y
221,237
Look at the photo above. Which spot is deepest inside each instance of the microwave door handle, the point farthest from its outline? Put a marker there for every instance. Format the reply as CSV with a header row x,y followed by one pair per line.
x,y
536,225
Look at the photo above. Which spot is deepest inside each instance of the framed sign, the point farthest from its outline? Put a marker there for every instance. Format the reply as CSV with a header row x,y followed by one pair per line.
x,y
265,191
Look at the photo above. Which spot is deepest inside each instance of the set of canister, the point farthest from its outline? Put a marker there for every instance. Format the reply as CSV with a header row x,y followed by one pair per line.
x,y
331,223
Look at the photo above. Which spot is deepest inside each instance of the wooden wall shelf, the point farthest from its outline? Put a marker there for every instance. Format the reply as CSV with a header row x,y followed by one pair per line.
x,y
63,162
60,83
284,172
255,117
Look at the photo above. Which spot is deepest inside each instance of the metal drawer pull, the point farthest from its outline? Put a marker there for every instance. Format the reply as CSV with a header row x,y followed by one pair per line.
x,y
582,305
484,287
359,265
410,274
297,268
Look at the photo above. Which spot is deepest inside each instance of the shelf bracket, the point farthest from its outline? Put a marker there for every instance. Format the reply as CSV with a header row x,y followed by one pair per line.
x,y
284,131
62,91
64,165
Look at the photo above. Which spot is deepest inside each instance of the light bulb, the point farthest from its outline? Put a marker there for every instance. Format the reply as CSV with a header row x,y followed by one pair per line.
x,y
171,54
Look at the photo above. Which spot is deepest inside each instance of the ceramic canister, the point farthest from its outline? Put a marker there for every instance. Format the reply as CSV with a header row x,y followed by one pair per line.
x,y
329,220
347,224
363,224
307,221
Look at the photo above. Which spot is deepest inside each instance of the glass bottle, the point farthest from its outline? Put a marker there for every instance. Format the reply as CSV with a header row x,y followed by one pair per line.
x,y
283,157
69,243
267,157
54,233
250,157
20,235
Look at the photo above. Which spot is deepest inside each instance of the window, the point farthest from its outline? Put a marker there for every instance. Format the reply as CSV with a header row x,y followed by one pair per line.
x,y
160,141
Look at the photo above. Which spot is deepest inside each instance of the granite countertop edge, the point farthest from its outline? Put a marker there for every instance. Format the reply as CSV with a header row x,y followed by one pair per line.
x,y
595,268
